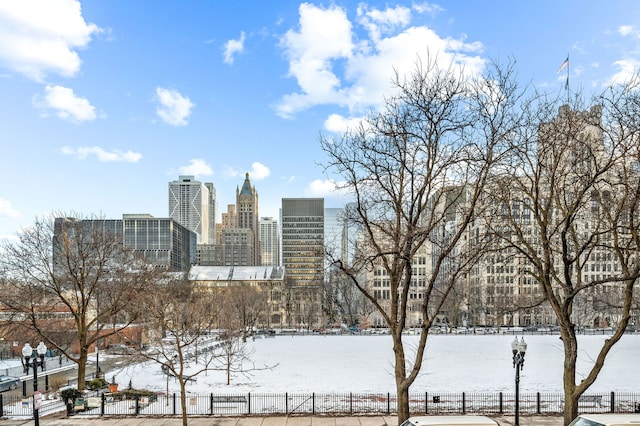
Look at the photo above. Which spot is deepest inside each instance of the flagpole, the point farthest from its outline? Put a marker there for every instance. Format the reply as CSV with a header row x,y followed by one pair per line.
x,y
567,83
564,65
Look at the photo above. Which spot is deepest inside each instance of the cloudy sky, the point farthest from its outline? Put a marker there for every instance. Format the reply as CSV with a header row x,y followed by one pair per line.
x,y
103,102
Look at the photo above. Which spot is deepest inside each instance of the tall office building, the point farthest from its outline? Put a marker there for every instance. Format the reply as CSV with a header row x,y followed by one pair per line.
x,y
190,204
303,240
213,211
340,234
237,247
247,215
162,241
333,232
269,241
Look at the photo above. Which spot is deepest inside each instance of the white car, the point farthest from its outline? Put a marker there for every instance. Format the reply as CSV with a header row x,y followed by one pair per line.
x,y
450,421
606,420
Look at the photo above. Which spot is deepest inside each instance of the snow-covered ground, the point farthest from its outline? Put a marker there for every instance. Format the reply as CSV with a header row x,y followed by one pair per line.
x,y
453,363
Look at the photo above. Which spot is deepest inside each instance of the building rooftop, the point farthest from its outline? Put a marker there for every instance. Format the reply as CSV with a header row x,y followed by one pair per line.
x,y
235,273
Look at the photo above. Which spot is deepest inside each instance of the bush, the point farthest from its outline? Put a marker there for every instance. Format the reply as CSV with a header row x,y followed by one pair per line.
x,y
70,394
134,393
56,382
97,383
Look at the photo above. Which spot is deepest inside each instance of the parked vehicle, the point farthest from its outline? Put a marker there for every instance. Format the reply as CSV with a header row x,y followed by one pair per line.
x,y
450,421
8,383
605,420
120,349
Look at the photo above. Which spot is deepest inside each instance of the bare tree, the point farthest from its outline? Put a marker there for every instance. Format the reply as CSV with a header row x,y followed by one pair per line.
x,y
244,307
234,357
348,300
568,211
416,171
57,271
182,319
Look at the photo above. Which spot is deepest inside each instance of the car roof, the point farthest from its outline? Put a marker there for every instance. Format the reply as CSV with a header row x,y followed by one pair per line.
x,y
452,420
613,418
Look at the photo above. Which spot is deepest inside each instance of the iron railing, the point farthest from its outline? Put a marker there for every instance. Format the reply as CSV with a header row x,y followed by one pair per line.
x,y
97,404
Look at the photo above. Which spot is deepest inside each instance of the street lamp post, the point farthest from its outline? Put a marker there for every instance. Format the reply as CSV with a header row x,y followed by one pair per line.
x,y
518,348
31,360
98,334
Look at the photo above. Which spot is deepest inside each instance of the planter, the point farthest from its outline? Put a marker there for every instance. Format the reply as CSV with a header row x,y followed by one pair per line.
x,y
113,387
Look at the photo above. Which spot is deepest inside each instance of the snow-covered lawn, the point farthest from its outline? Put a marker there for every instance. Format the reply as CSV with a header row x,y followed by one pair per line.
x,y
453,363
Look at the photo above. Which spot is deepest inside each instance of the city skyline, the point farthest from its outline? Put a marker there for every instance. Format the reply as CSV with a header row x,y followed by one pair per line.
x,y
105,102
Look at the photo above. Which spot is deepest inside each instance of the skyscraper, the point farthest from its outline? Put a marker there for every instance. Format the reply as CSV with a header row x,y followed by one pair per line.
x,y
162,241
303,240
269,241
192,203
213,211
247,214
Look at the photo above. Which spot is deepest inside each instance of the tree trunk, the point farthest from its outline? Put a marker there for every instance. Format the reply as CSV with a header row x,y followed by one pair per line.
x,y
403,403
82,368
569,376
402,388
183,401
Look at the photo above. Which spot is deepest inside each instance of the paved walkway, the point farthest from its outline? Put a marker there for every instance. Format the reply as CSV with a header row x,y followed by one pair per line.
x,y
256,421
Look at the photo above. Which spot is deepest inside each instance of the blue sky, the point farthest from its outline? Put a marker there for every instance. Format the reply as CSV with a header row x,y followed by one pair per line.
x,y
103,102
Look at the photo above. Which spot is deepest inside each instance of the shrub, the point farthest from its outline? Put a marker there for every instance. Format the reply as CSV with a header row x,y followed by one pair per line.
x,y
97,383
134,393
70,393
55,383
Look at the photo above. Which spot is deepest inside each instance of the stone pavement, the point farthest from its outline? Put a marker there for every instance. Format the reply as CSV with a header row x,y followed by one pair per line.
x,y
256,421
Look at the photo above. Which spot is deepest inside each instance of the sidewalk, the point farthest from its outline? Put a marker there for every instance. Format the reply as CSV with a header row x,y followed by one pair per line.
x,y
257,421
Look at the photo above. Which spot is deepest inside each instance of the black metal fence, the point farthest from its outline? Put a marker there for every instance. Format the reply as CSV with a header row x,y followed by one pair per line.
x,y
96,404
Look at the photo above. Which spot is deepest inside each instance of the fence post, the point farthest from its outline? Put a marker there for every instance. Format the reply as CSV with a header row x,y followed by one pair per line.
x,y
174,403
137,404
426,402
24,388
1,406
613,402
102,401
211,404
46,383
388,403
313,403
350,402
464,404
286,402
538,402
249,403
501,408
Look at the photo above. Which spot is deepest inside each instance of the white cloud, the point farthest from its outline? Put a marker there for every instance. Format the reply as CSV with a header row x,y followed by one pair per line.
x,y
7,210
325,35
378,22
196,167
233,47
174,108
430,8
230,171
627,69
66,104
322,188
83,152
38,37
259,171
625,30
339,124
333,69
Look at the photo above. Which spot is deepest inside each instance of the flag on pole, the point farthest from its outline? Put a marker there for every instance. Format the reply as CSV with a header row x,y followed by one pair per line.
x,y
564,65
